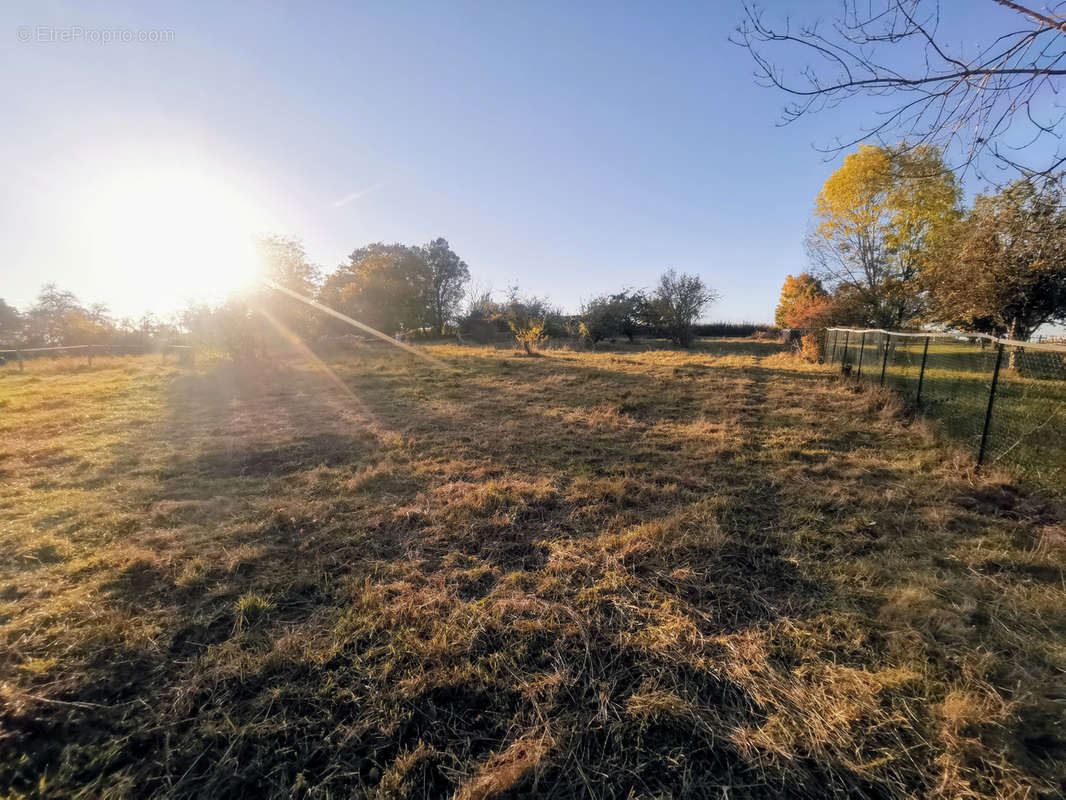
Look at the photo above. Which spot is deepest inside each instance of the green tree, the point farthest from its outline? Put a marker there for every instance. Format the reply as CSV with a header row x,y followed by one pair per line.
x,y
233,326
448,276
10,324
49,321
283,260
99,314
1002,267
877,216
613,315
382,285
677,303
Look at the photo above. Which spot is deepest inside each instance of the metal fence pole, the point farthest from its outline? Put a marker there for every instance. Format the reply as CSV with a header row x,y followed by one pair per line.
x,y
824,347
844,357
991,401
921,375
884,361
22,365
862,351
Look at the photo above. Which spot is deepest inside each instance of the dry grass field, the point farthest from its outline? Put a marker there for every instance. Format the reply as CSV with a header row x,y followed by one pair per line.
x,y
640,573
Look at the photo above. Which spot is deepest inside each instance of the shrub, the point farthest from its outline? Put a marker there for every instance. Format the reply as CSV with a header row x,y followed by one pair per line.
x,y
811,347
578,333
532,319
233,326
613,315
529,335
484,320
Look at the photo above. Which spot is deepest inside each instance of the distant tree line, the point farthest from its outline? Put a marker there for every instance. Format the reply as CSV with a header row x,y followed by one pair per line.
x,y
57,318
669,311
414,290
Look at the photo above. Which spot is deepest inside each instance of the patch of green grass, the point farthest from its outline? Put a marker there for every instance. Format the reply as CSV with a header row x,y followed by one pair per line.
x,y
1028,425
639,572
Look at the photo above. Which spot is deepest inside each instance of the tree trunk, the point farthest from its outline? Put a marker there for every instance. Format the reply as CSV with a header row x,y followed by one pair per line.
x,y
1012,334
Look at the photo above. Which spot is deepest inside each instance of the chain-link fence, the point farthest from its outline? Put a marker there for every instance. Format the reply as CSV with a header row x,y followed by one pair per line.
x,y
1005,400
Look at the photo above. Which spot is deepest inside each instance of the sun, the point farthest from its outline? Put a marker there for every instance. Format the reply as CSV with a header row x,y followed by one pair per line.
x,y
171,234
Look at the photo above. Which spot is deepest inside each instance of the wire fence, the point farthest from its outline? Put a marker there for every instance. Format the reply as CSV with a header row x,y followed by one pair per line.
x,y
91,351
1004,400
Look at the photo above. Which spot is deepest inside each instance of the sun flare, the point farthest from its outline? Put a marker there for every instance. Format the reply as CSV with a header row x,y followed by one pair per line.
x,y
173,234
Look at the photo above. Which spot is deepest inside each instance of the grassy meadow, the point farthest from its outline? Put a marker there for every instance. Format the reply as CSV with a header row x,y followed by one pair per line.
x,y
634,573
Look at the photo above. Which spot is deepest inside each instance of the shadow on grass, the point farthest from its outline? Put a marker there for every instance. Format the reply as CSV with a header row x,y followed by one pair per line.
x,y
431,584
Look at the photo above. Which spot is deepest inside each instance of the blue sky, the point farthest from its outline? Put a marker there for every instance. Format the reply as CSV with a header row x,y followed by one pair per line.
x,y
570,148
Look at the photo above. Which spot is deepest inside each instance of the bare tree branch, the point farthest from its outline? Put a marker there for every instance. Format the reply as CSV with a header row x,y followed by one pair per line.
x,y
998,104
1044,19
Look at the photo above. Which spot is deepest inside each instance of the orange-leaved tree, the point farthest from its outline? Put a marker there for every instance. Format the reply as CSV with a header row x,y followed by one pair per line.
x,y
804,303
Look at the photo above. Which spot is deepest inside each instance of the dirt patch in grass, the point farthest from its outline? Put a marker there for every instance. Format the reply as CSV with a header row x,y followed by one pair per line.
x,y
642,573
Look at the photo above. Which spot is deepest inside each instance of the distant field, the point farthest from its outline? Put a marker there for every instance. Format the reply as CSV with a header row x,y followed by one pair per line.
x,y
639,573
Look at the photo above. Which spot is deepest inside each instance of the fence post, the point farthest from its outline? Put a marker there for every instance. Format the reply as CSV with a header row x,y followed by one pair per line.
x,y
89,354
884,361
843,358
862,351
921,375
22,366
991,400
824,347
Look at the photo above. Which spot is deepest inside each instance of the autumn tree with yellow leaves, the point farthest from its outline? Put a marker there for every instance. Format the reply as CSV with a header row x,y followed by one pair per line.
x,y
876,219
